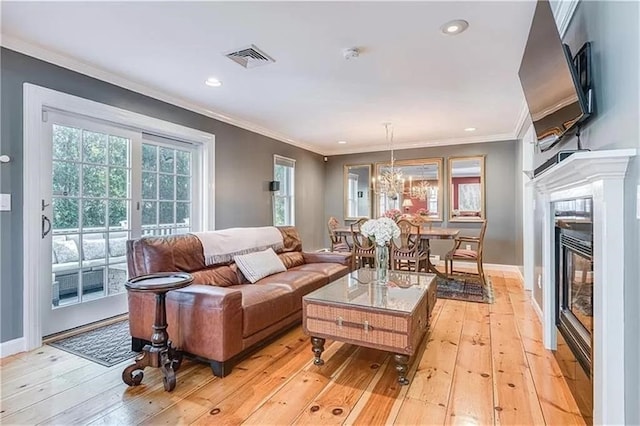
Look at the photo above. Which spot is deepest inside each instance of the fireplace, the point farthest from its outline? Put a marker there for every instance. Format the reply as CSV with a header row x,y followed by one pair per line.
x,y
574,297
595,179
574,276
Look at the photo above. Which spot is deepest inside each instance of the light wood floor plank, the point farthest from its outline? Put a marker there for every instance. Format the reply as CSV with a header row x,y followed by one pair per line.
x,y
472,390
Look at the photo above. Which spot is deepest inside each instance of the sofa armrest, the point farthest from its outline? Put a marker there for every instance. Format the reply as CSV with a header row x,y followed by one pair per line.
x,y
327,257
203,320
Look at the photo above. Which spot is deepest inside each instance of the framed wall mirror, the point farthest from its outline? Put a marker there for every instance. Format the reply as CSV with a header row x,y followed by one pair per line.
x,y
414,188
466,189
357,191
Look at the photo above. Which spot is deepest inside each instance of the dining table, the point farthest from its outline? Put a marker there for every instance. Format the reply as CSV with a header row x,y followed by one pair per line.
x,y
427,233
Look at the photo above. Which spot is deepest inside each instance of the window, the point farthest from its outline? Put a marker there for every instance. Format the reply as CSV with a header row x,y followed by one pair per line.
x,y
283,199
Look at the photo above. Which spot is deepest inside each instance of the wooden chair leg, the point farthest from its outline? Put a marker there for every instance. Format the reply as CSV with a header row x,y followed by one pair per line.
x,y
481,273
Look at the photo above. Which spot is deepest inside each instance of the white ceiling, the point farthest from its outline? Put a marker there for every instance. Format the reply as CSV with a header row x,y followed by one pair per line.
x,y
431,86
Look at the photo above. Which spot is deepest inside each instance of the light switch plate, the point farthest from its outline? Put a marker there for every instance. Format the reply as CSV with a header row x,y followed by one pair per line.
x,y
5,202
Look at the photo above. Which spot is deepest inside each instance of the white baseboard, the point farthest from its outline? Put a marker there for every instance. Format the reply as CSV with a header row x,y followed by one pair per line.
x,y
513,268
536,308
11,347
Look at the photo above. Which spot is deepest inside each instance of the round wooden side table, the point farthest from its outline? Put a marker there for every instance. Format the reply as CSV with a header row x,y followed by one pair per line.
x,y
160,353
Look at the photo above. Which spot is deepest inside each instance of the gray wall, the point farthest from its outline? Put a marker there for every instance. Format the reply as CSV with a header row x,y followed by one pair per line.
x,y
501,204
244,166
613,29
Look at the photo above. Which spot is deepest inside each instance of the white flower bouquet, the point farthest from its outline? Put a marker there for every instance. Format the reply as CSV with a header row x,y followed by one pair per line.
x,y
380,231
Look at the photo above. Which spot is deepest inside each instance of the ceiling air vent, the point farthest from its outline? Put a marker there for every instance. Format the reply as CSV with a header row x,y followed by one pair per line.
x,y
250,57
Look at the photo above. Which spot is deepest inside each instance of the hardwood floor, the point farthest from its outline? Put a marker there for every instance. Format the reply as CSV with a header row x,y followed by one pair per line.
x,y
481,364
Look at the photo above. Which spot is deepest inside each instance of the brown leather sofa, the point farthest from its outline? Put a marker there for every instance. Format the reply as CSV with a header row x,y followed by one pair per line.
x,y
222,316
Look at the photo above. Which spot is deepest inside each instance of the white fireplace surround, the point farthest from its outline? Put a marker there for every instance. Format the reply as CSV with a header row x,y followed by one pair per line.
x,y
600,175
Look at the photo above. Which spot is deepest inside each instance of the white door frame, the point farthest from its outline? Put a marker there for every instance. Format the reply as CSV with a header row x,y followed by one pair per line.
x,y
35,100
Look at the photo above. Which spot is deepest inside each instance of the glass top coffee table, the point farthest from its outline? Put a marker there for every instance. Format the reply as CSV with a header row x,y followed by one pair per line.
x,y
357,309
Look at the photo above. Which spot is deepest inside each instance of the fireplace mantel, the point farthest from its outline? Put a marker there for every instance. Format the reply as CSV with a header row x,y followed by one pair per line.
x,y
599,175
583,168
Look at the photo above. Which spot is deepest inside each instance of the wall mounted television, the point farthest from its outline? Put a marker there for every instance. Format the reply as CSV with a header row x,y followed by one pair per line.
x,y
557,86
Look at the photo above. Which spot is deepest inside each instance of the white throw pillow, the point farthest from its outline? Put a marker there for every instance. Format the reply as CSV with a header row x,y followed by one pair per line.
x,y
65,250
258,265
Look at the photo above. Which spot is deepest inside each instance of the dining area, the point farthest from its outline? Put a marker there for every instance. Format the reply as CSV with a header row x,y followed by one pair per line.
x,y
410,195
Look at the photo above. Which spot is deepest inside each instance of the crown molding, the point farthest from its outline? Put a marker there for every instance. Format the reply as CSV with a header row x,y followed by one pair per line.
x,y
563,11
521,123
501,137
59,59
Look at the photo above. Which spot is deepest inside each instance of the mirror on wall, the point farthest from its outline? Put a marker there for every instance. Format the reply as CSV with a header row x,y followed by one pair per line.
x,y
418,188
357,191
466,189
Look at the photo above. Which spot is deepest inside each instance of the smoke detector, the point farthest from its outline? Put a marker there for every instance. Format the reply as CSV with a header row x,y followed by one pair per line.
x,y
350,53
249,57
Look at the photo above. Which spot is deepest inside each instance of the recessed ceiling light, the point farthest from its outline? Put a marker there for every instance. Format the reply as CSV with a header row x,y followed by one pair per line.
x,y
470,129
342,142
213,82
454,27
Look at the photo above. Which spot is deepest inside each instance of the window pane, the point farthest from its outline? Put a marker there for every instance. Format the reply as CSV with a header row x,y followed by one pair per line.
x,y
117,182
149,186
65,213
167,160
183,213
117,212
183,163
149,213
116,277
118,151
66,143
279,211
182,188
94,148
94,181
149,157
94,213
65,178
166,186
166,213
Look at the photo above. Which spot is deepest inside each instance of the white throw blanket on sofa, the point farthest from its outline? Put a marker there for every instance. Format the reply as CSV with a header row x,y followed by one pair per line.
x,y
220,246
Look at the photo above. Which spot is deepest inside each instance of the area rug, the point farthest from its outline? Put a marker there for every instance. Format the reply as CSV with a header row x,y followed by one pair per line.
x,y
466,289
107,345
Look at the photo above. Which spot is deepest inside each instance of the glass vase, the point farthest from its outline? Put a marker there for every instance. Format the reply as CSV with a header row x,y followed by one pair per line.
x,y
382,263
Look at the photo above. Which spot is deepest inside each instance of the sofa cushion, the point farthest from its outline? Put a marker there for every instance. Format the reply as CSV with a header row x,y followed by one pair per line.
x,y
330,270
221,276
93,248
255,266
291,259
65,251
297,282
263,305
117,246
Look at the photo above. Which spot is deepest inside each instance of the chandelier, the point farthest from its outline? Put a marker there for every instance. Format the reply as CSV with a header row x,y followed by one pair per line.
x,y
389,183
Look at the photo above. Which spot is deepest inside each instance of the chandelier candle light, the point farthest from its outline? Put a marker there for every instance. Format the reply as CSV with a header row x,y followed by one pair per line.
x,y
381,231
389,183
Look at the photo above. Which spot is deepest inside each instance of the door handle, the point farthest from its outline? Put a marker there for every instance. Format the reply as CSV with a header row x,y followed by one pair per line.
x,y
44,205
47,222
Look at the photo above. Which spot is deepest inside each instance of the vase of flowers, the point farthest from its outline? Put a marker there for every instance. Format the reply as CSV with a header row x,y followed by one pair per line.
x,y
381,232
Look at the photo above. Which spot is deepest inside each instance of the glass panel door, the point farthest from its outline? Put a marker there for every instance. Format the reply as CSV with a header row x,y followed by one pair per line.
x,y
167,182
91,198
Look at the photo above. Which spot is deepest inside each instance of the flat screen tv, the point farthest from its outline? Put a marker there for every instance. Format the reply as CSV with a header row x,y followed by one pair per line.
x,y
557,86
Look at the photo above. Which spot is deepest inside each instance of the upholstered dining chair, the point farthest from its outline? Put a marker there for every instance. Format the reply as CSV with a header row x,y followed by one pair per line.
x,y
473,254
362,250
337,243
406,250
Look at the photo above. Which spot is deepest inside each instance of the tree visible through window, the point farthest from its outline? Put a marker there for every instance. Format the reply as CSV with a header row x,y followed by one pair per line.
x,y
283,199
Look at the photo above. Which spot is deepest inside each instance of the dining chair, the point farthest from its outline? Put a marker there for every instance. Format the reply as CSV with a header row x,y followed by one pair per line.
x,y
463,254
338,243
406,250
362,249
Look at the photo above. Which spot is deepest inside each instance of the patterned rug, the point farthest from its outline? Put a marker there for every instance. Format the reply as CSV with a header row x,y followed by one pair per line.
x,y
466,289
108,345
